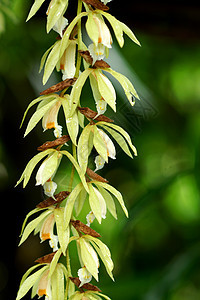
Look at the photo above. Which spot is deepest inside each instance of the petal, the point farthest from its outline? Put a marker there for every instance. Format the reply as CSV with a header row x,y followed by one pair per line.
x,y
89,257
34,8
43,286
104,36
32,225
52,61
67,62
50,118
37,116
56,9
60,25
63,234
83,148
46,231
106,89
68,31
77,88
31,165
29,282
102,203
95,203
111,152
48,168
127,86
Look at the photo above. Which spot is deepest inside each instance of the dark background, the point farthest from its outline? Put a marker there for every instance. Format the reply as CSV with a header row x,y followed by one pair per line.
x,y
157,250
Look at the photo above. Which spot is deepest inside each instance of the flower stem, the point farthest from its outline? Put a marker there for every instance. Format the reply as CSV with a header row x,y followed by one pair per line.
x,y
73,168
78,62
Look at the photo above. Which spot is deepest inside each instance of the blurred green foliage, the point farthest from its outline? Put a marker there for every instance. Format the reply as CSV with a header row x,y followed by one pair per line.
x,y
157,250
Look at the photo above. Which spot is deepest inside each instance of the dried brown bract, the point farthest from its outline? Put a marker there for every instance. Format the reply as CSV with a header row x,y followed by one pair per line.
x,y
78,225
89,113
87,286
86,55
97,4
101,64
50,201
50,144
46,259
95,176
59,86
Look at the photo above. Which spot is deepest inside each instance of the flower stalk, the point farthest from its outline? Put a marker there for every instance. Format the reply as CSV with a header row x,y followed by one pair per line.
x,y
57,215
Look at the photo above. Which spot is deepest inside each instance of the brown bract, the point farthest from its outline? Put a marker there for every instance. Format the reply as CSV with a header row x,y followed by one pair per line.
x,y
95,176
50,201
86,55
46,259
50,144
89,113
79,226
101,64
97,4
59,86
87,286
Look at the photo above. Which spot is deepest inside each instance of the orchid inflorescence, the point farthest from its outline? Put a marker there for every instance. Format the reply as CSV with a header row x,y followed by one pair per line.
x,y
57,215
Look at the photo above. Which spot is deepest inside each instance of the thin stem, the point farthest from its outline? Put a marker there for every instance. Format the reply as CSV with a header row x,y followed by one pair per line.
x,y
73,168
78,62
69,273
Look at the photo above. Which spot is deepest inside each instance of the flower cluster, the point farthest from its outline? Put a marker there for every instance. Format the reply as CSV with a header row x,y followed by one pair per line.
x,y
57,215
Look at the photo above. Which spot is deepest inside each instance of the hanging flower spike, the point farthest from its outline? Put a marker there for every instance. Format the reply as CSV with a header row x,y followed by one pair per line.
x,y
84,276
98,30
67,61
46,232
